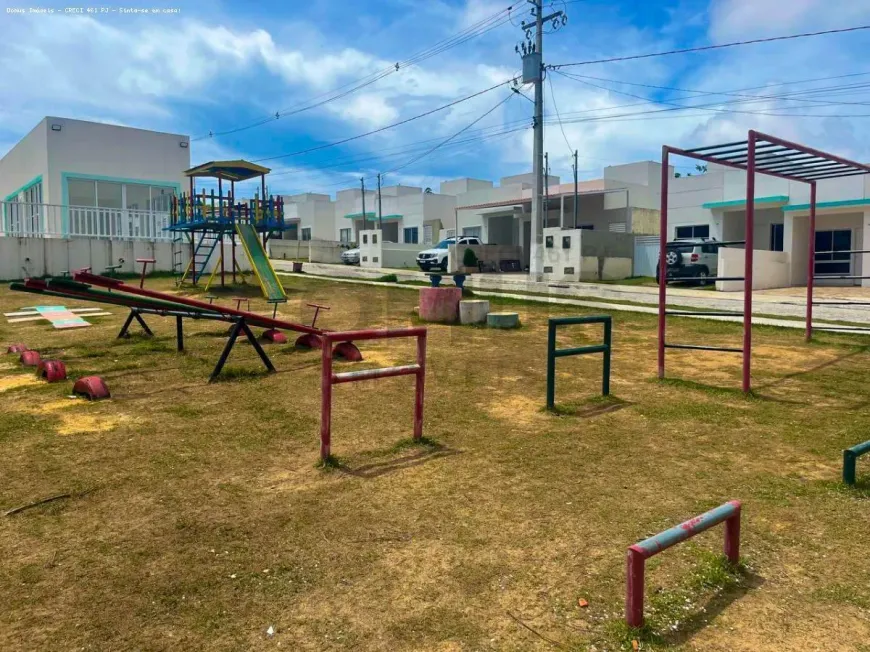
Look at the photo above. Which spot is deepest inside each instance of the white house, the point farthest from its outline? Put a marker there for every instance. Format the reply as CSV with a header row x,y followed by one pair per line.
x,y
408,214
714,205
72,177
624,200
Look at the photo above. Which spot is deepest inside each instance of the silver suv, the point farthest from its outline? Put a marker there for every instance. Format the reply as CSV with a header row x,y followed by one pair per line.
x,y
695,258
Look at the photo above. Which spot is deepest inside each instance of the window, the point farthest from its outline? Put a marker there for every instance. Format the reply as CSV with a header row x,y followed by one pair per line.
x,y
832,252
161,198
473,231
695,231
410,235
109,194
138,197
587,227
776,233
566,242
82,193
344,235
548,242
427,235
306,233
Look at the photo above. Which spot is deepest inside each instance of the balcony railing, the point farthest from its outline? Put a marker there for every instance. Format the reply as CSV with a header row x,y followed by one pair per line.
x,y
27,220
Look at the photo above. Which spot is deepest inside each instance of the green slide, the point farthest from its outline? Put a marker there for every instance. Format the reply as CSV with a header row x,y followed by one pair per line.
x,y
253,246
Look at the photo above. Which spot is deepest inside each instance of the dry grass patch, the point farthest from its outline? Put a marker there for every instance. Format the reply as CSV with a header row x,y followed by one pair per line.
x,y
211,522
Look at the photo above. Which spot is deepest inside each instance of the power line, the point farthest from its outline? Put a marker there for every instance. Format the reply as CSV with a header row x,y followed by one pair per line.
x,y
706,107
728,93
558,117
390,126
705,48
473,31
447,140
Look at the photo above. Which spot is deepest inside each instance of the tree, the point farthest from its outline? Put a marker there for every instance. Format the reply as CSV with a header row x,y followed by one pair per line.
x,y
701,168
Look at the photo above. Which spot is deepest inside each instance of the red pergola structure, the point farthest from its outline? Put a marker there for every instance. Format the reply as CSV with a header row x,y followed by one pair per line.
x,y
759,153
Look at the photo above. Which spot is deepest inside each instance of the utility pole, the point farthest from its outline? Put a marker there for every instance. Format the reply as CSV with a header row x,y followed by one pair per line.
x,y
576,194
362,184
380,217
545,219
533,72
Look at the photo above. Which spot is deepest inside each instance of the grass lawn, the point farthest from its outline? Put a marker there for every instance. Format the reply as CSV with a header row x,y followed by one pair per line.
x,y
198,517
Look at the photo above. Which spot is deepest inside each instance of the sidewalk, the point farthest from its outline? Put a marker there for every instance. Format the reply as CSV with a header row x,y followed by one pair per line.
x,y
766,307
774,303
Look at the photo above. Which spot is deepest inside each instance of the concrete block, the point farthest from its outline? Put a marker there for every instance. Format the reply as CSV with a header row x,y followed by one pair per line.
x,y
503,319
440,304
473,312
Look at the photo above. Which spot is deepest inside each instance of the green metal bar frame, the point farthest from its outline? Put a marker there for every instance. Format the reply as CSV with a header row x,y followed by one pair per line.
x,y
850,456
553,352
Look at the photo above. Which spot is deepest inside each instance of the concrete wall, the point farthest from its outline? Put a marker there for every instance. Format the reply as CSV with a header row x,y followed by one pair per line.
x,y
24,163
645,221
459,186
594,268
770,269
374,252
492,255
561,263
290,249
51,256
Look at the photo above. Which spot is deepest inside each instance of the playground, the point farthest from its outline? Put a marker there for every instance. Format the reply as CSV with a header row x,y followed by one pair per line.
x,y
194,515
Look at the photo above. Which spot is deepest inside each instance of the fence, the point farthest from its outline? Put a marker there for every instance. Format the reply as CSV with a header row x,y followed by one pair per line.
x,y
29,220
646,255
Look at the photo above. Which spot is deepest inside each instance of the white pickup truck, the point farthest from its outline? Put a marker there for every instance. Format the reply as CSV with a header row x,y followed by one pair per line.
x,y
436,257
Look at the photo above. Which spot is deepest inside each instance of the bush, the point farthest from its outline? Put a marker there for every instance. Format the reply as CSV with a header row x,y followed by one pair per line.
x,y
388,278
469,258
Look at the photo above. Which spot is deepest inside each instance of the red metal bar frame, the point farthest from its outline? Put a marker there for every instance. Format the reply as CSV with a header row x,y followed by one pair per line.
x,y
749,236
750,167
811,262
663,265
328,378
729,513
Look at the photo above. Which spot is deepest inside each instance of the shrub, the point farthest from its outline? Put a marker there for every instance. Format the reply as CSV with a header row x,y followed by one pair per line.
x,y
469,258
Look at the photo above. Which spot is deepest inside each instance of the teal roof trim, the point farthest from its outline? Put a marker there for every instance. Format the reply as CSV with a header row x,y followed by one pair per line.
x,y
828,204
773,199
372,216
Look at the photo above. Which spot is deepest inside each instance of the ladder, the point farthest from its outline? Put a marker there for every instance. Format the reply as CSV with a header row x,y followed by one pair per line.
x,y
178,245
208,242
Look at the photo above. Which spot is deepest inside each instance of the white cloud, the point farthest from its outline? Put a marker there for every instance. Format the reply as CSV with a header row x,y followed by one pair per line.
x,y
742,19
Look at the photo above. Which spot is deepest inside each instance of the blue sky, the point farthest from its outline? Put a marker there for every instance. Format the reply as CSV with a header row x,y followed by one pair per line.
x,y
216,66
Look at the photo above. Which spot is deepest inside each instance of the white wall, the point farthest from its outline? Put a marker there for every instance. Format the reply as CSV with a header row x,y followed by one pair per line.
x,y
24,162
560,263
111,152
770,269
51,256
374,252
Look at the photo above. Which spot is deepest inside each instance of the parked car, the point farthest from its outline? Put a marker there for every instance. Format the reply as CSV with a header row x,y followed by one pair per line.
x,y
350,256
696,258
436,257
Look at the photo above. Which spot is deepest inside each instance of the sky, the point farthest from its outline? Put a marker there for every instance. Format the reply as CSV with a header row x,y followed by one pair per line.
x,y
213,66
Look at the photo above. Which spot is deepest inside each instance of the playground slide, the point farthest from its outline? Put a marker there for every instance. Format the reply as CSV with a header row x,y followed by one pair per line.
x,y
272,288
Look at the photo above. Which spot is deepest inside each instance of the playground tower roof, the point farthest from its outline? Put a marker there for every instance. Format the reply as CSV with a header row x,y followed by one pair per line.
x,y
228,170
